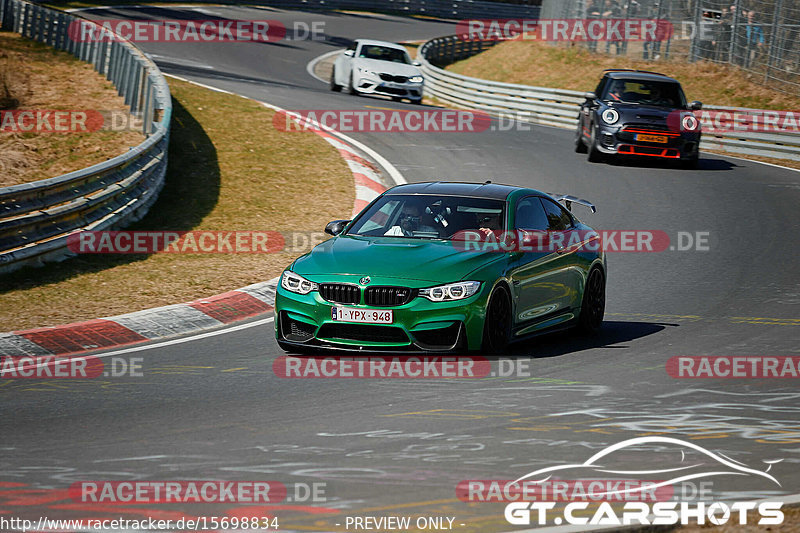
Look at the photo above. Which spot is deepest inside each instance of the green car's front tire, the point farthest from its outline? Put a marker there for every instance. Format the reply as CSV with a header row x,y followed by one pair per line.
x,y
497,326
593,306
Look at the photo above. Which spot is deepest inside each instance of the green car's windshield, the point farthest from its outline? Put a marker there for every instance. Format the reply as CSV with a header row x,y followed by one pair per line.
x,y
428,216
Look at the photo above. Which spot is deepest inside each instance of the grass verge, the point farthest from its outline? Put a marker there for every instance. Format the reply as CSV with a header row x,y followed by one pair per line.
x,y
35,76
229,169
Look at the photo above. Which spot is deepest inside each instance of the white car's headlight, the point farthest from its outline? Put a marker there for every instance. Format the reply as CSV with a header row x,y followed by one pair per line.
x,y
415,79
298,284
610,116
450,292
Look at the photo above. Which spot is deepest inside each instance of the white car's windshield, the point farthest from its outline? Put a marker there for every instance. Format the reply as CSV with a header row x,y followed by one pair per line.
x,y
429,216
384,53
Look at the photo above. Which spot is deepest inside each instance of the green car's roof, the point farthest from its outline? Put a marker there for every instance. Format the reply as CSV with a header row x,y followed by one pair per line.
x,y
494,191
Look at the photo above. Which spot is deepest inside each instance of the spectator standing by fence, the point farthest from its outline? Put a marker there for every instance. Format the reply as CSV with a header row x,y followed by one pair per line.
x,y
755,40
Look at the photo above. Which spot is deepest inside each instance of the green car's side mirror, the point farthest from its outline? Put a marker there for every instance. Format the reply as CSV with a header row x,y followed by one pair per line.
x,y
336,227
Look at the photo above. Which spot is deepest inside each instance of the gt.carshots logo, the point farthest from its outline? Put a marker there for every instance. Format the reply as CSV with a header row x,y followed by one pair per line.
x,y
534,496
611,29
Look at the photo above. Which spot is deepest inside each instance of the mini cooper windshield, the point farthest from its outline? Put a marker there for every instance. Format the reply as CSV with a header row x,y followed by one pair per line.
x,y
428,216
655,93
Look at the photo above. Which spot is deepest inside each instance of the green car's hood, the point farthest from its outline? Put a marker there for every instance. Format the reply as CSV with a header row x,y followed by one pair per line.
x,y
392,257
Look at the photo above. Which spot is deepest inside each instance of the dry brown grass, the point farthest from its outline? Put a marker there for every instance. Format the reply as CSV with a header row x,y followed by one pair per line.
x,y
229,169
40,77
575,68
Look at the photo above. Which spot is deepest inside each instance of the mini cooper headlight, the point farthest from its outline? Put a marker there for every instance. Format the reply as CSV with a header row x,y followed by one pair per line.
x,y
450,292
415,79
610,116
690,123
297,284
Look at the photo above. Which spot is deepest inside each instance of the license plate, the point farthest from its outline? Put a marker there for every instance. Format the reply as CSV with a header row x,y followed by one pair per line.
x,y
361,316
651,138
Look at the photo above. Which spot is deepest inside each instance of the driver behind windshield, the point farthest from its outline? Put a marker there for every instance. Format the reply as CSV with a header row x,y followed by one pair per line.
x,y
409,222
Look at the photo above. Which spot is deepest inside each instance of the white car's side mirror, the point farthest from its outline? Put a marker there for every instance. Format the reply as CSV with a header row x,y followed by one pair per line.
x,y
416,63
349,53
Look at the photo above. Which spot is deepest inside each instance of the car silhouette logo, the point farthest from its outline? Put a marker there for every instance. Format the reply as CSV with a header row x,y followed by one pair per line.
x,y
687,470
365,280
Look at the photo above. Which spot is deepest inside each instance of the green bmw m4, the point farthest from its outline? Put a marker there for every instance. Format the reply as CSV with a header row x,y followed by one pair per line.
x,y
442,267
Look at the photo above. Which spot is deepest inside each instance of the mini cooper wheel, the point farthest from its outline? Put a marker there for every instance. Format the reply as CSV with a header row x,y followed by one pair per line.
x,y
691,164
334,86
497,326
580,146
593,306
595,156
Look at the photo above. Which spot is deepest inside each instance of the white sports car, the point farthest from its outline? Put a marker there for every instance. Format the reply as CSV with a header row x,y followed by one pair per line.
x,y
378,67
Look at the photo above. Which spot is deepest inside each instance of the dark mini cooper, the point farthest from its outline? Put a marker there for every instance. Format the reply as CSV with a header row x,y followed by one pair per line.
x,y
638,113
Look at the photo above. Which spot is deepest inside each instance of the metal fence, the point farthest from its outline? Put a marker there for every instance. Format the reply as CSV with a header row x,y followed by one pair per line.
x,y
559,107
760,36
37,218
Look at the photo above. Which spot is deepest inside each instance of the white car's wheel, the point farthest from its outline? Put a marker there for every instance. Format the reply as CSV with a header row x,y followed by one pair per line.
x,y
334,86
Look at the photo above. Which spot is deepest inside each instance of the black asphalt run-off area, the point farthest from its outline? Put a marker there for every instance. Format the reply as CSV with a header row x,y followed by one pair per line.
x,y
212,408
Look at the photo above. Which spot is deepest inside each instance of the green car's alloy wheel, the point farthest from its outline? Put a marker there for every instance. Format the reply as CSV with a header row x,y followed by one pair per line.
x,y
497,328
594,302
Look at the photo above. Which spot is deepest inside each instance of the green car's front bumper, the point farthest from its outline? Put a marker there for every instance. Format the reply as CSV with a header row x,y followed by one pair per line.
x,y
305,321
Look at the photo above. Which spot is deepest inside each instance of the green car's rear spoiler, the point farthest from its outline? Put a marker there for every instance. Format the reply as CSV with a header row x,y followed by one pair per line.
x,y
568,200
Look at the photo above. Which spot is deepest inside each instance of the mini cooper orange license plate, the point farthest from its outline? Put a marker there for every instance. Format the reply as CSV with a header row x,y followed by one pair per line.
x,y
361,316
651,138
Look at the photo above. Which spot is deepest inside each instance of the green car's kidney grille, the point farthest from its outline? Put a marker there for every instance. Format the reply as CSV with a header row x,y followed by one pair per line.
x,y
340,293
388,296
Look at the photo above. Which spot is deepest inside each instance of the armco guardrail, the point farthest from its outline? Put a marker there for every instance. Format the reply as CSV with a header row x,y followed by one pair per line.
x,y
559,107
36,218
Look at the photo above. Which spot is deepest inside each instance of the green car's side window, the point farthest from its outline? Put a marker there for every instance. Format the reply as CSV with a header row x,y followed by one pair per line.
x,y
558,218
530,215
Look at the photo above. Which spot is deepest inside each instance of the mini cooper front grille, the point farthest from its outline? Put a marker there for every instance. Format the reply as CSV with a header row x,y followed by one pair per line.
x,y
388,296
395,79
340,293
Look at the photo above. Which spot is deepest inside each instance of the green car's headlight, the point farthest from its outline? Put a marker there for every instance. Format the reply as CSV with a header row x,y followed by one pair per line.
x,y
450,292
415,79
294,283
